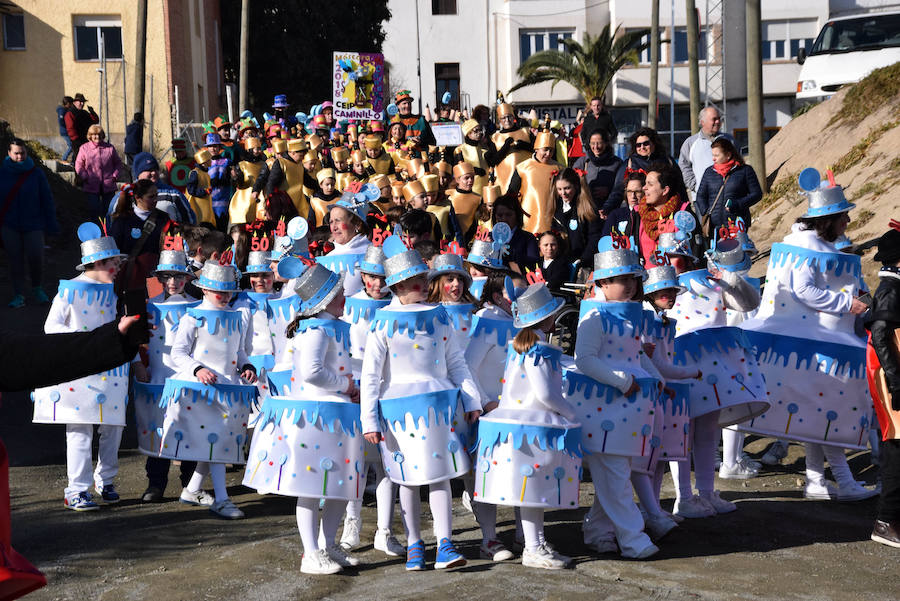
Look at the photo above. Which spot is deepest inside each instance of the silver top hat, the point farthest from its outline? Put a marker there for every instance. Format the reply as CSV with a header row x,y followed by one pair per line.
x,y
729,255
98,249
449,263
483,254
534,305
259,261
373,261
173,261
823,199
618,261
661,278
214,276
401,263
670,244
316,287
746,243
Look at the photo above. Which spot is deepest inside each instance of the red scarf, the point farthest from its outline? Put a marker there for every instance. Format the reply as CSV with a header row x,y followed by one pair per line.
x,y
651,216
723,168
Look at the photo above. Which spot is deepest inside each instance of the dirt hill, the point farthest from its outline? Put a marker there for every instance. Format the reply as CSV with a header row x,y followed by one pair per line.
x,y
856,134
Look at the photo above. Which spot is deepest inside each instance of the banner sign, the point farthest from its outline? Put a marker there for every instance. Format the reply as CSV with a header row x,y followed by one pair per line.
x,y
358,85
447,134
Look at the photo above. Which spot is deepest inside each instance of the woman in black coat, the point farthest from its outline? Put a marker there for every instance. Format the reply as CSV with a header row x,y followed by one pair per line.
x,y
576,217
599,166
732,181
136,208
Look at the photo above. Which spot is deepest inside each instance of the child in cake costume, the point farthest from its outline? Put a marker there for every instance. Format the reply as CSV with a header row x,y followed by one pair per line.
x,y
486,256
672,424
82,304
284,305
416,390
347,220
732,389
256,302
528,450
359,310
804,336
164,312
448,284
308,444
614,397
206,400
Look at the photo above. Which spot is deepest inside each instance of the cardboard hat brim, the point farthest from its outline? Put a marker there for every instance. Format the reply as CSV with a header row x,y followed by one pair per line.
x,y
83,266
433,274
520,323
319,306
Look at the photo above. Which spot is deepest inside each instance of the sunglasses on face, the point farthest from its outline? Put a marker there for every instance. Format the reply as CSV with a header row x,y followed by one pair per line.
x,y
643,144
167,277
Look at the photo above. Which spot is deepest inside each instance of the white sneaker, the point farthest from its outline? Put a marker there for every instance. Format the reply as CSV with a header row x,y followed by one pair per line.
x,y
319,562
693,507
350,536
466,501
227,510
775,453
719,504
603,546
856,492
738,471
344,559
388,544
822,490
201,497
657,526
544,558
495,551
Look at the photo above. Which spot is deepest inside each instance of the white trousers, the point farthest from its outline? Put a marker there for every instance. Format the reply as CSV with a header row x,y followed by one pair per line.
x,y
816,454
79,438
614,513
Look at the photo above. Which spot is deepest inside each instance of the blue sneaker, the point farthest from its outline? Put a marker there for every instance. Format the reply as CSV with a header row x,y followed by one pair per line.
x,y
108,493
415,557
447,556
81,502
17,302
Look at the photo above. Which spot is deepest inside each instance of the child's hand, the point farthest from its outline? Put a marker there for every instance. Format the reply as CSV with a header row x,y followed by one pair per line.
x,y
140,372
669,391
351,386
249,375
699,375
488,407
649,349
205,376
373,437
634,388
472,416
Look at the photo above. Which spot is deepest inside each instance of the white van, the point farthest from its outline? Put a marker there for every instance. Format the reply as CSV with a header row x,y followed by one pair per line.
x,y
846,50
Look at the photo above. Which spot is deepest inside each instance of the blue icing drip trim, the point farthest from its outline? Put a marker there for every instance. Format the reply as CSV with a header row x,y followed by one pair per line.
x,y
483,326
286,307
460,315
142,391
256,300
341,263
836,262
231,319
492,433
575,382
335,328
691,346
408,322
442,402
92,290
280,380
614,316
119,372
162,310
701,276
680,405
809,354
365,308
654,326
345,414
537,353
223,393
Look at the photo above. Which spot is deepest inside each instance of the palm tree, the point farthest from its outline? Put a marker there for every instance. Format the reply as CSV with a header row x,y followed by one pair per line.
x,y
587,66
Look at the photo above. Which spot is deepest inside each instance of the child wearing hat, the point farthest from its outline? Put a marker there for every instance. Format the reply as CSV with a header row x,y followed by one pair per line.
x,y
82,304
416,390
323,197
308,443
478,152
359,310
529,448
256,302
198,188
485,258
164,312
358,166
349,233
612,376
207,402
378,162
448,284
465,201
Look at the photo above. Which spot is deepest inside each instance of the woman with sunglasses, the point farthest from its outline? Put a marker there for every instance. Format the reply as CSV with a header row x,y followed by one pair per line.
x,y
647,148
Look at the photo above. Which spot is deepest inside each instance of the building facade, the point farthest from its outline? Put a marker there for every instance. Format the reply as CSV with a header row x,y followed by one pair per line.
x,y
51,49
474,47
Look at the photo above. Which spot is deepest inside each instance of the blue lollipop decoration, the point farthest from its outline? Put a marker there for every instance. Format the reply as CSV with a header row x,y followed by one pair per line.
x,y
89,231
327,464
526,471
485,466
645,432
607,426
830,416
809,179
559,473
261,457
281,461
213,438
792,409
398,459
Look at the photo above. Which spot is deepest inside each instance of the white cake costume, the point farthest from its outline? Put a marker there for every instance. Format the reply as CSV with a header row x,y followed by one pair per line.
x,y
460,313
308,443
814,363
359,309
492,330
84,304
208,422
345,258
262,346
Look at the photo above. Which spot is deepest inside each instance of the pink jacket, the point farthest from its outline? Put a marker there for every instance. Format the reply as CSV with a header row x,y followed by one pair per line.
x,y
98,167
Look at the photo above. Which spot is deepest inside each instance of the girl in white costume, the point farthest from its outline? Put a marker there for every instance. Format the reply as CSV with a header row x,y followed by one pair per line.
x,y
485,258
614,396
358,312
207,404
347,221
82,304
164,312
732,389
308,444
813,360
416,387
256,301
528,451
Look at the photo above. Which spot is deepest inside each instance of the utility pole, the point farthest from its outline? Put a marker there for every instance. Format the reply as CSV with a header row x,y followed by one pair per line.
x,y
693,36
243,101
654,64
140,57
755,93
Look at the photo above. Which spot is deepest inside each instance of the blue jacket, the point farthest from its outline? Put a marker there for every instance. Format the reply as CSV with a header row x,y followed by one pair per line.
x,y
741,192
32,208
61,118
134,137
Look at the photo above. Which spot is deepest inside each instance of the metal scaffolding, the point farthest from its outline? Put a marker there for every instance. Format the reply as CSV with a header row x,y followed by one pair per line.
x,y
714,84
